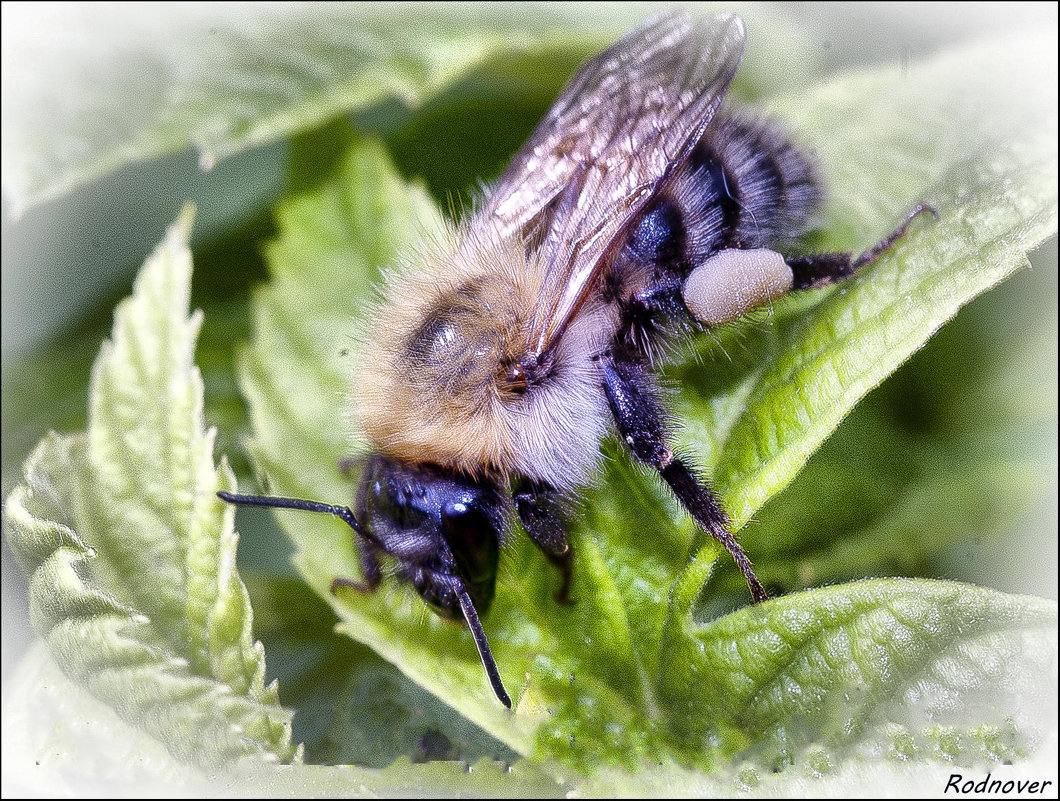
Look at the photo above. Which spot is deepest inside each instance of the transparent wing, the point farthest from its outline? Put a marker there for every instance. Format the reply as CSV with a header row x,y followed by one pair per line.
x,y
619,130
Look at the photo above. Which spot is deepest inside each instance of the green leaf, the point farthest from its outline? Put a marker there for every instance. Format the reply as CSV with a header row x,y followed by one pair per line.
x,y
592,681
868,667
221,82
131,556
961,440
353,707
48,718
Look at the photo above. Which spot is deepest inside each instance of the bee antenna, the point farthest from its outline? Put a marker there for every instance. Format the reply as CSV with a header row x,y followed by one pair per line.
x,y
473,623
344,513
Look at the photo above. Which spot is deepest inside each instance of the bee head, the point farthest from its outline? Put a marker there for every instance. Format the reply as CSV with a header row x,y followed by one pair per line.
x,y
443,529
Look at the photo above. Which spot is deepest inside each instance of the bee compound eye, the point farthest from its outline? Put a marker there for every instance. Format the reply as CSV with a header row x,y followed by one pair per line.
x,y
732,282
473,540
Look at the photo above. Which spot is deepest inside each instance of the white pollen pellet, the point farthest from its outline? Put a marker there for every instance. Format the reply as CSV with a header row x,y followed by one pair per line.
x,y
732,282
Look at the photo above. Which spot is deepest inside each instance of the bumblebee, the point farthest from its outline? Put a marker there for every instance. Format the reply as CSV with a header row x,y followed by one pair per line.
x,y
638,214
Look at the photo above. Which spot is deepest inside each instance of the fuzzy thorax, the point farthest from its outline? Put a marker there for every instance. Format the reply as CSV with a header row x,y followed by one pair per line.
x,y
439,379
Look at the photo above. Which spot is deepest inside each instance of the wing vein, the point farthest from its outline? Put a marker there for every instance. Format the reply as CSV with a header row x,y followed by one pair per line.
x,y
618,132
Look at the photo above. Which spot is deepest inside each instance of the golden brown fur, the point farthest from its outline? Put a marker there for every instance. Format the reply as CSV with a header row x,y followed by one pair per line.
x,y
433,383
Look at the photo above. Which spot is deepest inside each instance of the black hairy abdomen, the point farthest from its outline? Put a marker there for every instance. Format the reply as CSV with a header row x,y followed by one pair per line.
x,y
744,186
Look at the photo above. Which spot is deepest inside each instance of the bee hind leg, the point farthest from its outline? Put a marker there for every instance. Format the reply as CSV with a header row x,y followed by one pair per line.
x,y
653,318
823,269
539,508
641,422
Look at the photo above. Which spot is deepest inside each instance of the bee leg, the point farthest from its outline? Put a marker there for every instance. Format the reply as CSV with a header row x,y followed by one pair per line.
x,y
641,422
370,570
368,551
651,316
732,282
539,511
823,269
663,296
